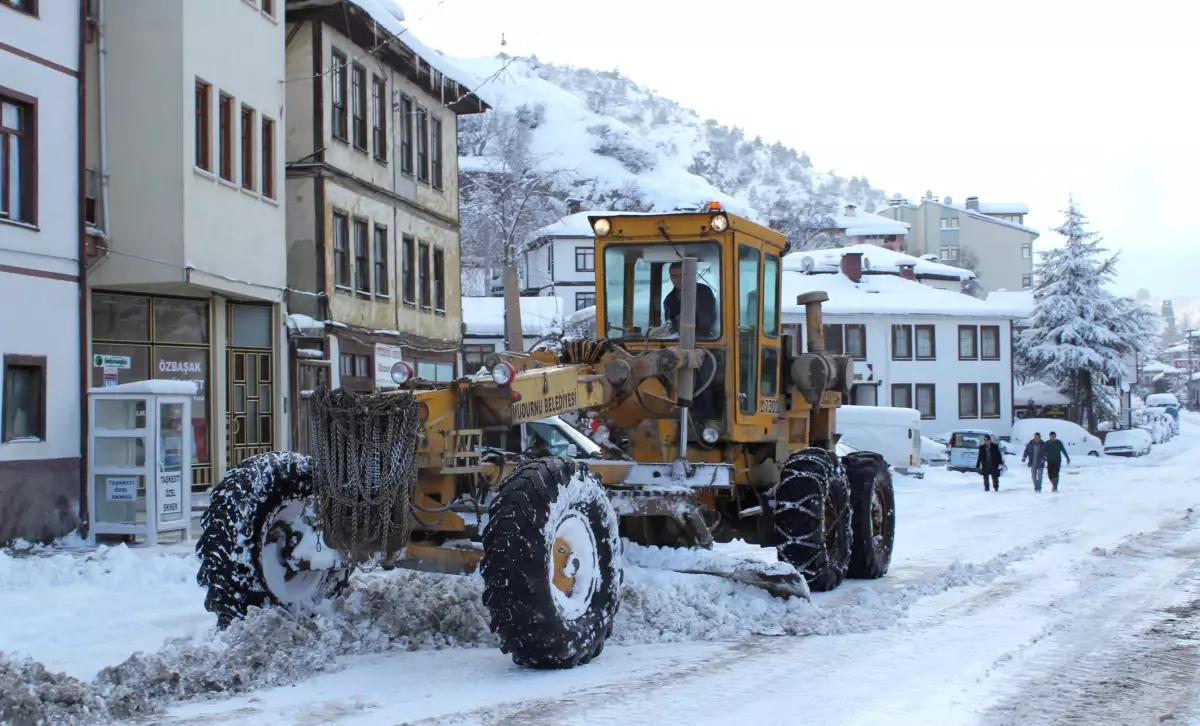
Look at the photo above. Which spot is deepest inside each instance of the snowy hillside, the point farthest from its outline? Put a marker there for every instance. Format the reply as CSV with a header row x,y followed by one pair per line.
x,y
621,146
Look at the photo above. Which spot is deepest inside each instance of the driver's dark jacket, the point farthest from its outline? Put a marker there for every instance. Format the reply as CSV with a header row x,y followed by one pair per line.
x,y
706,310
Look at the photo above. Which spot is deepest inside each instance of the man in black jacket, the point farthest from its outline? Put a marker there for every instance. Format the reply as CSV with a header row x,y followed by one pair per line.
x,y
1055,451
706,304
989,461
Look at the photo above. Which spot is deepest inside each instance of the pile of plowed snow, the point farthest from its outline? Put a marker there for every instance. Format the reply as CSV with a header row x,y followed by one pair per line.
x,y
404,610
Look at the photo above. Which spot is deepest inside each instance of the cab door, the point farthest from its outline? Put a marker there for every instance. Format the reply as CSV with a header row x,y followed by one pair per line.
x,y
769,342
749,307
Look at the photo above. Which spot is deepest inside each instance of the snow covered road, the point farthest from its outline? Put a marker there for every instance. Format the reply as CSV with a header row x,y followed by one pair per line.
x,y
1000,608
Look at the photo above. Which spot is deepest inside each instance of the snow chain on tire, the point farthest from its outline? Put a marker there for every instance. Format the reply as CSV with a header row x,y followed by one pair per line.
x,y
873,499
230,546
810,479
517,565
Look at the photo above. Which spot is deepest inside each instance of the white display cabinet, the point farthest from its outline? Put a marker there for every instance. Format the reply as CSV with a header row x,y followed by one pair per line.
x,y
140,459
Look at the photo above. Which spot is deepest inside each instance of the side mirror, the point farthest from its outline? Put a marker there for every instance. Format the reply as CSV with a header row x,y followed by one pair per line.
x,y
572,451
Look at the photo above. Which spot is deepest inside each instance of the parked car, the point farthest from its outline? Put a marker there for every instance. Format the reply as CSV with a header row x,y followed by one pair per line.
x,y
964,448
1167,418
1167,401
934,453
894,433
1078,441
1128,442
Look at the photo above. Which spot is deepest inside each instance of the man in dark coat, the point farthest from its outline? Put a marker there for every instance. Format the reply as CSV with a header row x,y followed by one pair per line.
x,y
1035,453
706,304
988,463
1055,451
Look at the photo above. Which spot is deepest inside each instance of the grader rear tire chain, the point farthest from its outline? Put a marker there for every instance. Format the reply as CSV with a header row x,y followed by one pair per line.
x,y
515,570
798,508
868,475
230,545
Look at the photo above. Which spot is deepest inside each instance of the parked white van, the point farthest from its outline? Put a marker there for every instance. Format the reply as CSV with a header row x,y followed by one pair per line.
x,y
893,433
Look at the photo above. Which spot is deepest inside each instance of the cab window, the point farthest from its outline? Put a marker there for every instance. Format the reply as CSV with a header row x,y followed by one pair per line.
x,y
771,297
748,262
640,296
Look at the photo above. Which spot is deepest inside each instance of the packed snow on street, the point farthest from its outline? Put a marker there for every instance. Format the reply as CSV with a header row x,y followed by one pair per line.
x,y
1013,607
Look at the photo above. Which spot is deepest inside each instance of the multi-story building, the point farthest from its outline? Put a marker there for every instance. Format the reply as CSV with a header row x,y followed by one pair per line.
x,y
372,188
561,262
989,238
41,236
185,127
854,227
944,353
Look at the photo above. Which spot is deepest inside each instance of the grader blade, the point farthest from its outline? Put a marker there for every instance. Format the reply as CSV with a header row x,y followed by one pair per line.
x,y
779,579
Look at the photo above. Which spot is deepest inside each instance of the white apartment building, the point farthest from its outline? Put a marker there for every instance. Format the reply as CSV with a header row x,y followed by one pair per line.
x,y
372,188
991,236
41,225
186,127
561,261
944,353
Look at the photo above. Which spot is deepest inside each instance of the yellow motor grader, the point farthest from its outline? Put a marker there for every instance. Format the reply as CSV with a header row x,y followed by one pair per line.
x,y
718,431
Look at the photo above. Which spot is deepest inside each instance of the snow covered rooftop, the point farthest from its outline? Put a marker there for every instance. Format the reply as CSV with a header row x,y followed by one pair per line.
x,y
389,15
875,260
1038,393
884,295
1156,367
573,225
865,223
1003,208
1020,301
484,316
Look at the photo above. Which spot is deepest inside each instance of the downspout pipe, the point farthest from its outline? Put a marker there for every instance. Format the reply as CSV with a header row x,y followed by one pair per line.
x,y
103,98
85,367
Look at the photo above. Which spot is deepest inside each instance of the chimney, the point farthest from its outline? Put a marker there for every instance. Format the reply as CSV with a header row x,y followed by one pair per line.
x,y
850,210
973,203
896,200
852,266
574,206
906,272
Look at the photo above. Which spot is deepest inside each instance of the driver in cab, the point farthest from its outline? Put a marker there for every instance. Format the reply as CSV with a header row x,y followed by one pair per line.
x,y
706,304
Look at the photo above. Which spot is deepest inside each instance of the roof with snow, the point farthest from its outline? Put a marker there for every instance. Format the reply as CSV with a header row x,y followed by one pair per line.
x,y
858,223
484,316
1038,393
885,295
1156,367
573,225
1018,300
389,15
1004,208
876,261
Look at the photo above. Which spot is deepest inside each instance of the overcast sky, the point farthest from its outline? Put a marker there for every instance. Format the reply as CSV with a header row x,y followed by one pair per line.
x,y
1012,101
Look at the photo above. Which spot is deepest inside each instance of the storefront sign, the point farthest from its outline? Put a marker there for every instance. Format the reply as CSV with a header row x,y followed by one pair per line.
x,y
110,376
386,356
188,364
170,493
121,489
121,362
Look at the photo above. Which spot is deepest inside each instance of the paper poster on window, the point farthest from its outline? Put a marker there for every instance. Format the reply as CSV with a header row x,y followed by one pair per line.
x,y
170,494
121,489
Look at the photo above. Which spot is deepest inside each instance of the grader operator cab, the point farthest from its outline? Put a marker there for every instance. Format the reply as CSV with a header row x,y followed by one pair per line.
x,y
721,433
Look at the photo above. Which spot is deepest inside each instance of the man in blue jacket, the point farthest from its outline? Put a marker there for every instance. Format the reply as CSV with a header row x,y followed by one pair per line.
x,y
1035,454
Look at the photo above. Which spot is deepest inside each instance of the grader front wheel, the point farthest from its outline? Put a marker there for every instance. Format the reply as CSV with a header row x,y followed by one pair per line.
x,y
810,507
551,564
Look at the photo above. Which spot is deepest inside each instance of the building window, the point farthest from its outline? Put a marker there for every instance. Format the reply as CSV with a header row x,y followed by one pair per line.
x,y
338,107
856,341
474,357
203,126
926,400
247,148
989,397
435,151
225,137
585,300
408,250
24,399
968,342
902,395
406,134
267,141
380,109
1026,282
968,400
902,337
439,280
954,223
268,7
1026,251
945,223
93,192
29,7
833,339
989,342
341,255
358,97
926,347
355,368
423,145
381,260
423,274
949,253
18,159
362,257
585,259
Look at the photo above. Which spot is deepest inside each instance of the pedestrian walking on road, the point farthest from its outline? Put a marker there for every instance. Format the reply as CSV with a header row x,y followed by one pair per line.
x,y
988,462
1055,451
1035,453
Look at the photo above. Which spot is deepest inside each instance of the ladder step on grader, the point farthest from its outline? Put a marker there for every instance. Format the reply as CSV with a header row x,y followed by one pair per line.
x,y
718,430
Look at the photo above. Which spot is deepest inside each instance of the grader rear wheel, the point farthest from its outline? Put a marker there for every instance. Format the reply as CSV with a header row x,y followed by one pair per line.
x,y
551,564
810,508
874,520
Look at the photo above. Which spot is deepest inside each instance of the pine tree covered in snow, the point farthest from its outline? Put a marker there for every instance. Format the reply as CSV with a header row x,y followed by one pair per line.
x,y
1079,332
